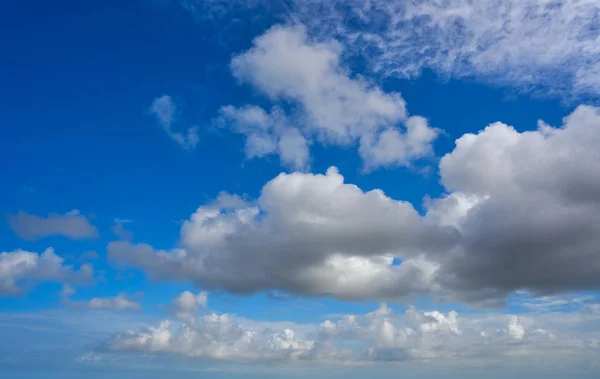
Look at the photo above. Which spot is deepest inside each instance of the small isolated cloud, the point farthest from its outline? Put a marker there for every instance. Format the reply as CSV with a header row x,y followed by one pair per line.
x,y
19,268
117,303
118,229
332,107
165,111
268,133
516,330
66,292
71,224
542,46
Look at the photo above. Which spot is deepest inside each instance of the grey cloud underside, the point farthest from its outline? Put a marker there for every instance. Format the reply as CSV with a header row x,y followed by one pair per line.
x,y
539,227
71,224
522,212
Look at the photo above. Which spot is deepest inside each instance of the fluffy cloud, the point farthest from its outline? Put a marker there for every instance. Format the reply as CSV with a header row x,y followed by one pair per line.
x,y
187,305
333,107
165,111
214,336
71,224
312,234
21,267
515,328
521,207
268,133
528,208
117,303
381,335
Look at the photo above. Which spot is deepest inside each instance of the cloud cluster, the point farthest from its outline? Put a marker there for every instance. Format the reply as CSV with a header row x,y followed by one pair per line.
x,y
381,335
165,111
521,213
19,268
330,106
71,224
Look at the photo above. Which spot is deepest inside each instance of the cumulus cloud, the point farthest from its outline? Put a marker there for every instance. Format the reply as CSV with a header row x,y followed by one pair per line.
x,y
333,107
312,234
521,207
165,111
533,208
515,328
382,335
71,224
19,268
187,305
267,134
117,303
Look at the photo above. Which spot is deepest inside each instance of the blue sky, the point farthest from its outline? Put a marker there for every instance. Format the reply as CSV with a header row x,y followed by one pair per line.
x,y
299,186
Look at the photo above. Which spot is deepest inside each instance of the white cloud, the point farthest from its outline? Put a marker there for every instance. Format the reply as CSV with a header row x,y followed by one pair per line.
x,y
550,303
515,328
268,133
165,111
333,107
117,303
533,208
88,256
521,207
187,305
72,225
440,321
149,339
19,268
312,234
383,335
66,292
550,47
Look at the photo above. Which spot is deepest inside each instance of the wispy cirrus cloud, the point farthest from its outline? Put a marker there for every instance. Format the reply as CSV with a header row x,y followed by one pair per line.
x,y
548,47
165,111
